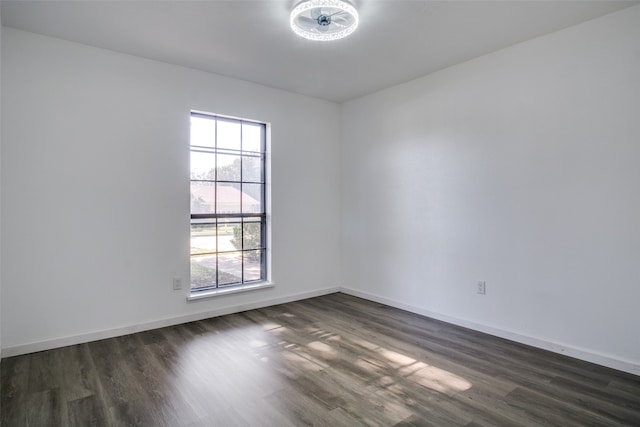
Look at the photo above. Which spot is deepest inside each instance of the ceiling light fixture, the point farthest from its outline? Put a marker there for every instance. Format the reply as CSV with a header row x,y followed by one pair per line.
x,y
324,20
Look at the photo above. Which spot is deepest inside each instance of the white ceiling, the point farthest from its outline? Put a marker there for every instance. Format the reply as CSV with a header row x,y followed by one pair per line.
x,y
251,40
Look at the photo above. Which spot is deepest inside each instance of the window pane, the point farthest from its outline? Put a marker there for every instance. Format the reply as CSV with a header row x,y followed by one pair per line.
x,y
228,134
203,165
228,168
230,268
251,169
228,198
229,238
202,197
203,131
252,198
252,265
252,235
252,136
203,238
203,271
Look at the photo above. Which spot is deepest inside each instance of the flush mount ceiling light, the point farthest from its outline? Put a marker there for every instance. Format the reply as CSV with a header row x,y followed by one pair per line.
x,y
324,19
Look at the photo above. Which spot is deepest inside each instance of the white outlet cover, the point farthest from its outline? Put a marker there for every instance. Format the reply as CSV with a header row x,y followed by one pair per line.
x,y
482,288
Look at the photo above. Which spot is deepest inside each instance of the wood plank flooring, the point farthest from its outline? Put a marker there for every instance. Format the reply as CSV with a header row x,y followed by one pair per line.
x,y
333,361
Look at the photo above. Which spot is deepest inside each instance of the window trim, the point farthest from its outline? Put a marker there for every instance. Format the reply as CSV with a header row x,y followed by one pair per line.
x,y
263,217
229,290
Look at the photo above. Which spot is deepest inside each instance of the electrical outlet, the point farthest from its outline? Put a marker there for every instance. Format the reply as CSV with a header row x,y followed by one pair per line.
x,y
482,287
177,283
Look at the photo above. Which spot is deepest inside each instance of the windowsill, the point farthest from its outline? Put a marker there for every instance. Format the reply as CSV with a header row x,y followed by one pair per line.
x,y
230,290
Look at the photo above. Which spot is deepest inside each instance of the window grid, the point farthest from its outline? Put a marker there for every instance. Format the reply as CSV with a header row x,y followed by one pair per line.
x,y
238,220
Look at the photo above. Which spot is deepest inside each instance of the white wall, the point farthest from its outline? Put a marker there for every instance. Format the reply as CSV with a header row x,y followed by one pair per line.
x,y
95,190
519,168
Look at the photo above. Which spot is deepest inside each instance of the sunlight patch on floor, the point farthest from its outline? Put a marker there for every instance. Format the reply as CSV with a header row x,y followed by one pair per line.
x,y
397,359
364,343
326,350
278,331
267,326
440,380
257,343
389,364
368,366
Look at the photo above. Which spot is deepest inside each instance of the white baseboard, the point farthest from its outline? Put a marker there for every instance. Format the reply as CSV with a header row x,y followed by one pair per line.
x,y
586,355
155,324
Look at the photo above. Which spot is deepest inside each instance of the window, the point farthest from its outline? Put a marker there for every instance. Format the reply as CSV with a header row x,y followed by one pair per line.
x,y
228,214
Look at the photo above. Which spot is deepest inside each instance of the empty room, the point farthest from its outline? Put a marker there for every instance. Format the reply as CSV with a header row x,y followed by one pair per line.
x,y
320,212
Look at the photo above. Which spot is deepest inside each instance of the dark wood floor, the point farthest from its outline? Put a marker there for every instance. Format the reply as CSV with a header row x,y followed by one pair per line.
x,y
334,360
